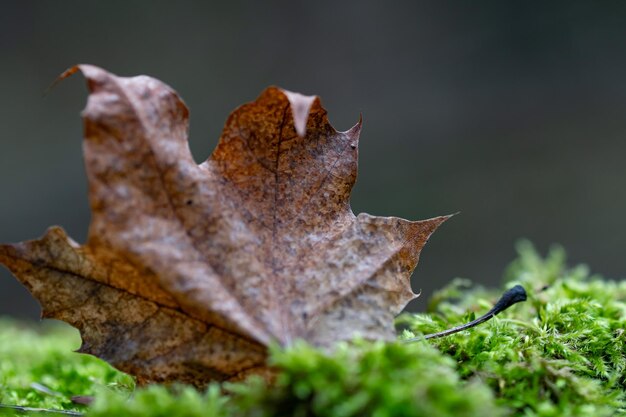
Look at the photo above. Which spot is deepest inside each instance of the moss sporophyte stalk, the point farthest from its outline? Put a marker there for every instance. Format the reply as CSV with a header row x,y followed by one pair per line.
x,y
510,297
560,353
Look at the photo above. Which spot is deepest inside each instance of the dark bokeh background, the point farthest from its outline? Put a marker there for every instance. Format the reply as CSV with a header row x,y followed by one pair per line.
x,y
511,112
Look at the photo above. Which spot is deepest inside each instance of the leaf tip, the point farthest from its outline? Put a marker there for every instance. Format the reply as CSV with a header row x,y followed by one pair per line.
x,y
354,132
3,254
437,221
65,74
88,70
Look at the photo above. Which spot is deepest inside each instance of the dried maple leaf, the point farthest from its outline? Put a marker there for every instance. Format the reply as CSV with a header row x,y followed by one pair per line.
x,y
190,271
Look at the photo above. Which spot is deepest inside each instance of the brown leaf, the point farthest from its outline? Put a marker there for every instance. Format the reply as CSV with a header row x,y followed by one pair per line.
x,y
190,271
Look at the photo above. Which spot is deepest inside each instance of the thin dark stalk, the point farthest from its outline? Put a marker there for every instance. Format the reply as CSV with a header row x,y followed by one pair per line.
x,y
510,297
14,410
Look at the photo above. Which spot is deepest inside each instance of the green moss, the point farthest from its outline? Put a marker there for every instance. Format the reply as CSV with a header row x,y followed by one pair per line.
x,y
161,401
365,379
39,369
561,353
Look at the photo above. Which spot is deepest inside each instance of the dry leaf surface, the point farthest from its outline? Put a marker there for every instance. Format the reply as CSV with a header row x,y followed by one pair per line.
x,y
190,270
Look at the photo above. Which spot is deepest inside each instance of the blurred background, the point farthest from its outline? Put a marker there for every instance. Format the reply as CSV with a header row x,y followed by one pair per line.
x,y
513,113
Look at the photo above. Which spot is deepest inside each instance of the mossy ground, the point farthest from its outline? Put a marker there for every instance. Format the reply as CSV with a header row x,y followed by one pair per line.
x,y
561,353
